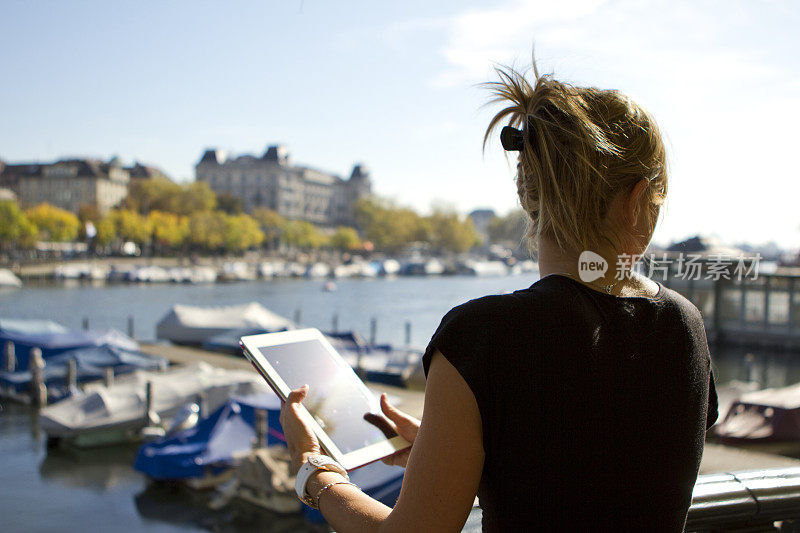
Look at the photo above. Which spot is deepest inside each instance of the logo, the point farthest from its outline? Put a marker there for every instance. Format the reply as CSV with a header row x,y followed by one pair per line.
x,y
591,266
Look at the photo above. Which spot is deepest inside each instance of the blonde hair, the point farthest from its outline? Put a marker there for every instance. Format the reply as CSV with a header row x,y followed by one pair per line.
x,y
583,146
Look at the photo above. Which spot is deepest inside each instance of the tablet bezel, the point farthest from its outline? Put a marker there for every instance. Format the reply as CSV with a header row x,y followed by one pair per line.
x,y
252,345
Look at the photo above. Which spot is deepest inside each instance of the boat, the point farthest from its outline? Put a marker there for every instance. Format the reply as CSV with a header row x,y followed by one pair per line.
x,y
318,270
52,338
767,420
390,267
474,267
228,341
329,286
186,324
149,274
423,267
101,415
91,363
9,279
205,455
377,363
237,271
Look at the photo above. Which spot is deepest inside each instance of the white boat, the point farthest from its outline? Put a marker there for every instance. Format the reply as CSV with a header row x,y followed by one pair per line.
x,y
187,324
269,269
484,268
390,267
149,274
318,270
105,415
9,279
237,271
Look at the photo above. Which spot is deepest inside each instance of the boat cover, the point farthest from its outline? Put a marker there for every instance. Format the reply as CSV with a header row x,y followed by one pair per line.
x,y
53,338
214,443
769,415
186,324
91,361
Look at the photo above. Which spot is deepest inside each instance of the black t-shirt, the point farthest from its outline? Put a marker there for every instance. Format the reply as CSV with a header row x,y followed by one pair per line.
x,y
594,407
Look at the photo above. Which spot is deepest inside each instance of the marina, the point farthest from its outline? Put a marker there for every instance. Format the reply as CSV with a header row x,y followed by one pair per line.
x,y
208,492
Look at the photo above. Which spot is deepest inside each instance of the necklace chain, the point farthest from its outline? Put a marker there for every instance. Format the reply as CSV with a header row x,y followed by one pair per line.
x,y
606,288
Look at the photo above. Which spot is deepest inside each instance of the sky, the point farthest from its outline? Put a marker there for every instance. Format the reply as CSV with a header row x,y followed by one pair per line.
x,y
396,87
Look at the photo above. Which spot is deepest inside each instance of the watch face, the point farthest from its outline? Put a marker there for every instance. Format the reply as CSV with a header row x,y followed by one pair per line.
x,y
316,460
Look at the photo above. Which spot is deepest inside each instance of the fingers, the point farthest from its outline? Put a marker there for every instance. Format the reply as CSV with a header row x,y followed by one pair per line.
x,y
297,395
392,413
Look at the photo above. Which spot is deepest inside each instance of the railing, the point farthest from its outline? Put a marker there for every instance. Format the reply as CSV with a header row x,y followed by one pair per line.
x,y
751,501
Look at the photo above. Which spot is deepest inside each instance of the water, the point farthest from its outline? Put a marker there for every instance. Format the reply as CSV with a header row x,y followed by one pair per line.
x,y
45,490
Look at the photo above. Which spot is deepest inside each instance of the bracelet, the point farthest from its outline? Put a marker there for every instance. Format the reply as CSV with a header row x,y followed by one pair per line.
x,y
329,485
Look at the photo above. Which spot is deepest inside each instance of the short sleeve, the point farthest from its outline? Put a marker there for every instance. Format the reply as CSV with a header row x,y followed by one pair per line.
x,y
463,338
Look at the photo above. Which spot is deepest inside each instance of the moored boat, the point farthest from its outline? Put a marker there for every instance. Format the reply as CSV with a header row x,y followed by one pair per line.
x,y
103,415
186,324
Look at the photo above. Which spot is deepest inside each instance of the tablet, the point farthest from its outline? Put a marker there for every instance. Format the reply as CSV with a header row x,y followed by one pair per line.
x,y
337,400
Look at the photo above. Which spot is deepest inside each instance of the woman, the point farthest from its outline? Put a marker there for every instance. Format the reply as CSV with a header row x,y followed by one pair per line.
x,y
571,404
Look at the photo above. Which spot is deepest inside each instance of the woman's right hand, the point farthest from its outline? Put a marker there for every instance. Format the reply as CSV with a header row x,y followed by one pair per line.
x,y
404,425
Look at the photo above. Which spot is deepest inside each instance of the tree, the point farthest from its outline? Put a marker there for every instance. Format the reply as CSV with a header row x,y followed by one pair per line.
x,y
207,230
510,229
345,239
388,226
131,226
15,228
452,233
53,223
229,203
272,224
168,229
303,235
241,232
163,194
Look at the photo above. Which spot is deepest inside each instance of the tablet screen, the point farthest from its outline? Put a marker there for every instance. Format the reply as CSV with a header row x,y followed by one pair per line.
x,y
336,398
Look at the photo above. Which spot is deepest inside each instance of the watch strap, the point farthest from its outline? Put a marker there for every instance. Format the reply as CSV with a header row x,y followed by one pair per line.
x,y
312,464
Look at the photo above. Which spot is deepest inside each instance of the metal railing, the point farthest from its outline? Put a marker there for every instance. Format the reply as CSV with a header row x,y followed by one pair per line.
x,y
751,501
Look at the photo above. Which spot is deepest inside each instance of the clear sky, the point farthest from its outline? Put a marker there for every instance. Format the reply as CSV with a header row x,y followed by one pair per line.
x,y
393,84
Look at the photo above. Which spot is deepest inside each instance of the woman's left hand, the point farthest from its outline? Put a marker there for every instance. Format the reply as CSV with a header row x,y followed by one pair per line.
x,y
300,440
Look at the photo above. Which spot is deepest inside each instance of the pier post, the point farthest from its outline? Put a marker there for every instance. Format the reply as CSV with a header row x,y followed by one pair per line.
x,y
261,429
408,333
767,280
335,323
85,323
792,288
148,404
373,331
298,316
743,304
9,357
38,388
108,376
716,321
72,375
131,330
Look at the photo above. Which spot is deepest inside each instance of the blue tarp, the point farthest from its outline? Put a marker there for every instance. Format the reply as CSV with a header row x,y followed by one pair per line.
x,y
90,364
211,445
52,338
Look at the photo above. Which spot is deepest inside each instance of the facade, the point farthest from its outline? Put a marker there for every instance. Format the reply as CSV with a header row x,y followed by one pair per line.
x,y
481,218
296,192
68,184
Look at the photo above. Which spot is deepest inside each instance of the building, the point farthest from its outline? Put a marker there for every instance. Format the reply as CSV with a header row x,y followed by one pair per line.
x,y
139,171
481,218
295,191
68,183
